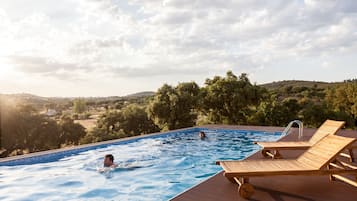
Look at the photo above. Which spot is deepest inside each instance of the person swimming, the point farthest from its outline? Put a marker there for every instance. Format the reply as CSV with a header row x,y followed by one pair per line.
x,y
202,135
109,166
109,161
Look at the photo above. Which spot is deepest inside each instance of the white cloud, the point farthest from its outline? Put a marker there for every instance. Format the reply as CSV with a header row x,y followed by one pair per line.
x,y
80,39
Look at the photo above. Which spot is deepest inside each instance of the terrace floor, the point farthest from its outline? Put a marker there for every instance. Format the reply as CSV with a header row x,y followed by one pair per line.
x,y
277,188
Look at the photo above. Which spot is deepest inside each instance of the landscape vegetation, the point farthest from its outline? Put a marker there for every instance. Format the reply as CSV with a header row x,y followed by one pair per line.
x,y
31,123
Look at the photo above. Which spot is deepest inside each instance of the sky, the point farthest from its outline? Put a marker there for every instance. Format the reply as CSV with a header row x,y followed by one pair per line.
x,y
115,47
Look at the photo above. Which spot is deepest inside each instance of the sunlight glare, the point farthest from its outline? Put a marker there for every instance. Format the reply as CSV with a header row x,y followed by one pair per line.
x,y
5,68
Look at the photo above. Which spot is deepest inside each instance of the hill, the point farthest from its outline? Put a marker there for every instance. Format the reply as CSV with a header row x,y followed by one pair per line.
x,y
299,83
140,94
32,97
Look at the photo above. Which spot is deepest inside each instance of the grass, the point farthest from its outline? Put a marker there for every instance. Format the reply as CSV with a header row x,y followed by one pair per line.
x,y
89,124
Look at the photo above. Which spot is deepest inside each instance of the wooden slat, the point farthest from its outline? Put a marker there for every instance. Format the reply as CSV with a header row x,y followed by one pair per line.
x,y
328,127
263,166
284,145
346,155
336,166
345,179
325,150
310,162
287,171
348,165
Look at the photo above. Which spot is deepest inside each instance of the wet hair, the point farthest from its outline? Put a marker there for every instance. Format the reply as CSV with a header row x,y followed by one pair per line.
x,y
111,157
202,134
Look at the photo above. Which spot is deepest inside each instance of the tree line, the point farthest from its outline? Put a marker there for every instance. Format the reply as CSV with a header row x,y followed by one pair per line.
x,y
228,99
24,130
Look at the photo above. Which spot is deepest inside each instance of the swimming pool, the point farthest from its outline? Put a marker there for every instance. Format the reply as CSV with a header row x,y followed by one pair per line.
x,y
150,168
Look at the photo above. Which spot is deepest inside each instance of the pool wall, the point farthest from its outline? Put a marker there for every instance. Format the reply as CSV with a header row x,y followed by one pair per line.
x,y
54,155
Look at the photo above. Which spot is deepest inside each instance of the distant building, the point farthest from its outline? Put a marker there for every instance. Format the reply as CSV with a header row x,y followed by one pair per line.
x,y
51,112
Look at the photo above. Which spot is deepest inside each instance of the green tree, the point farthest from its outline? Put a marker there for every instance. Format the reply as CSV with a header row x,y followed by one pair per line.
x,y
130,121
70,132
275,113
314,114
160,107
24,129
173,108
135,121
230,99
98,134
79,106
42,135
343,101
109,121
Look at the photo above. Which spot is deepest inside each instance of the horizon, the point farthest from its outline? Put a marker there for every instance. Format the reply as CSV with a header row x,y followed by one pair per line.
x,y
86,48
154,91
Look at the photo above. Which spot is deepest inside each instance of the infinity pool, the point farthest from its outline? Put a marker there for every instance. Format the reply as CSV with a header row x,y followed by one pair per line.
x,y
150,168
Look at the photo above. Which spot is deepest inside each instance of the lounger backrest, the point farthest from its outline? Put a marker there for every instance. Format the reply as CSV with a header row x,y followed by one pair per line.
x,y
328,127
325,150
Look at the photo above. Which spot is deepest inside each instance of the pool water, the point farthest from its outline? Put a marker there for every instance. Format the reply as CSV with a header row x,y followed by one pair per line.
x,y
154,168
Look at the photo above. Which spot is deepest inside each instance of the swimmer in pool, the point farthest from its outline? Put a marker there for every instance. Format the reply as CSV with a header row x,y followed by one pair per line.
x,y
109,161
202,135
108,164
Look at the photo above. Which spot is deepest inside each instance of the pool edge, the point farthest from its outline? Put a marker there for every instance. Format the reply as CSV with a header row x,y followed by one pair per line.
x,y
83,146
133,138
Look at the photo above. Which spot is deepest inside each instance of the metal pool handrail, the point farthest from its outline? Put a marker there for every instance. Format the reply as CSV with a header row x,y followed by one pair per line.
x,y
300,125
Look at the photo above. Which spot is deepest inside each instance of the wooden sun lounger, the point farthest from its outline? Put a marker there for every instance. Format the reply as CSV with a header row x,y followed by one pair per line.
x,y
271,149
319,159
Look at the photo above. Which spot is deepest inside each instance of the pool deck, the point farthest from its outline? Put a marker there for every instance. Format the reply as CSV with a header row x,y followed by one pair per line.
x,y
277,188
